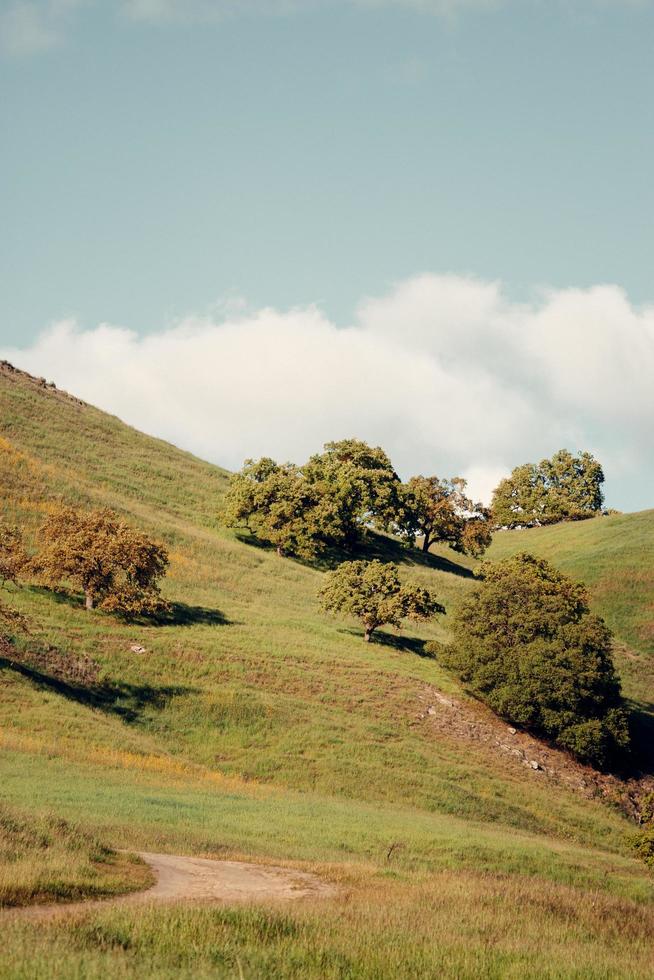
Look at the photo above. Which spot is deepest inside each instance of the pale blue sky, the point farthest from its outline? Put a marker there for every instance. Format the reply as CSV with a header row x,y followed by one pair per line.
x,y
152,167
479,168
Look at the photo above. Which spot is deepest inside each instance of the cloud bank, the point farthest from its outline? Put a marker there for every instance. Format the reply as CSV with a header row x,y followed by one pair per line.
x,y
445,372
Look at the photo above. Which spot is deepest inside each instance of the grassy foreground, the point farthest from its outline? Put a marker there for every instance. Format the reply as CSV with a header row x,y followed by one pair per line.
x,y
254,726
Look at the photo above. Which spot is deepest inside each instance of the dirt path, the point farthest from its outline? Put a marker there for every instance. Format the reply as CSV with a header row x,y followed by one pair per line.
x,y
200,879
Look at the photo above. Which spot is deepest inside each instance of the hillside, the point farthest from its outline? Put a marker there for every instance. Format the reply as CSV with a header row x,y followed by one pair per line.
x,y
254,726
614,556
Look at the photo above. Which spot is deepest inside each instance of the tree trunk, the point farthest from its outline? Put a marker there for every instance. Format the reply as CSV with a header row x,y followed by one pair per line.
x,y
89,601
368,634
426,542
280,551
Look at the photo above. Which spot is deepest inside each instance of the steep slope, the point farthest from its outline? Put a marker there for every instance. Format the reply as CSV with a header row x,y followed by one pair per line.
x,y
252,725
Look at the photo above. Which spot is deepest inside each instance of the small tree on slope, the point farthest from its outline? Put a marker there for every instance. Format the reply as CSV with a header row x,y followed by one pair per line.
x,y
372,592
526,643
116,567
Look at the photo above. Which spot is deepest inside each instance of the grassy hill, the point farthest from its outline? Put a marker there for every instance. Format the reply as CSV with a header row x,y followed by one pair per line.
x,y
255,726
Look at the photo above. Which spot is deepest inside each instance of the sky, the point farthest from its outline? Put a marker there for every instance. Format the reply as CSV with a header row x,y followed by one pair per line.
x,y
250,226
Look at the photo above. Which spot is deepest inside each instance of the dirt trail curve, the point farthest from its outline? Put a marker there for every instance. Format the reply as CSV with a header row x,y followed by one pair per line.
x,y
201,879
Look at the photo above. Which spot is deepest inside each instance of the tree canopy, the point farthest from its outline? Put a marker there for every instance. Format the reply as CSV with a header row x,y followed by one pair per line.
x,y
328,501
563,488
358,486
12,554
526,643
372,592
117,567
439,510
278,504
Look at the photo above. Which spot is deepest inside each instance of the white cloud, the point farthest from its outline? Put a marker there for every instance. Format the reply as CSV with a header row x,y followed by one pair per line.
x,y
32,26
445,372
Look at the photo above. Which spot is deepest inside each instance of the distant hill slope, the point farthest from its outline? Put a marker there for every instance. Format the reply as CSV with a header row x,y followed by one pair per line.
x,y
254,725
614,556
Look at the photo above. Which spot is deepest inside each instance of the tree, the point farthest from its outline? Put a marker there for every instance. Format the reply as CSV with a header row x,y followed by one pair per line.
x,y
12,555
526,643
439,510
117,567
328,501
372,592
563,488
277,504
358,487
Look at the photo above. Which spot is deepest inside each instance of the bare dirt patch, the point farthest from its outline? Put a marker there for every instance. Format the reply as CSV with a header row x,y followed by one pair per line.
x,y
181,879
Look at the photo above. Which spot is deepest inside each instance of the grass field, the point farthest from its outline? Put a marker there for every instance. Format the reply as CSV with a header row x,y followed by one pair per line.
x,y
254,726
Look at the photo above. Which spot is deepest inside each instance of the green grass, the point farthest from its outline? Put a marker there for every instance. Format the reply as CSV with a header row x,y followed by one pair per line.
x,y
256,726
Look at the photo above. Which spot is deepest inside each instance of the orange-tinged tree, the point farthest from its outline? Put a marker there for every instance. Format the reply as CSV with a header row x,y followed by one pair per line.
x,y
439,510
117,567
12,554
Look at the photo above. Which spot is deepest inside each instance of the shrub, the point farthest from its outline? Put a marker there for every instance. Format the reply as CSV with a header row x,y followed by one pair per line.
x,y
526,643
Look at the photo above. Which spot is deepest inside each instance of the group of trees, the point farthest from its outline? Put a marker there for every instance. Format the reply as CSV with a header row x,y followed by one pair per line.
x,y
116,567
351,487
563,488
340,493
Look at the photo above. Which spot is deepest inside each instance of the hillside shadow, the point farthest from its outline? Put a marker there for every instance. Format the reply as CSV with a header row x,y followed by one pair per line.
x,y
374,545
404,644
642,737
386,548
183,614
127,701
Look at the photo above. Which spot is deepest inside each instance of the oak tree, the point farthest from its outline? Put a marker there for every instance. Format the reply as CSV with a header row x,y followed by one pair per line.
x,y
563,488
439,510
117,567
278,504
372,592
525,641
358,486
12,554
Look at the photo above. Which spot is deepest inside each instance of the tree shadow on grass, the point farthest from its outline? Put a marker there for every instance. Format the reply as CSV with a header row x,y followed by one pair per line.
x,y
183,614
179,613
404,644
374,545
127,701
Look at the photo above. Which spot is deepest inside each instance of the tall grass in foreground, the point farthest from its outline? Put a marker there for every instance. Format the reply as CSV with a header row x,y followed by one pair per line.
x,y
450,925
47,859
